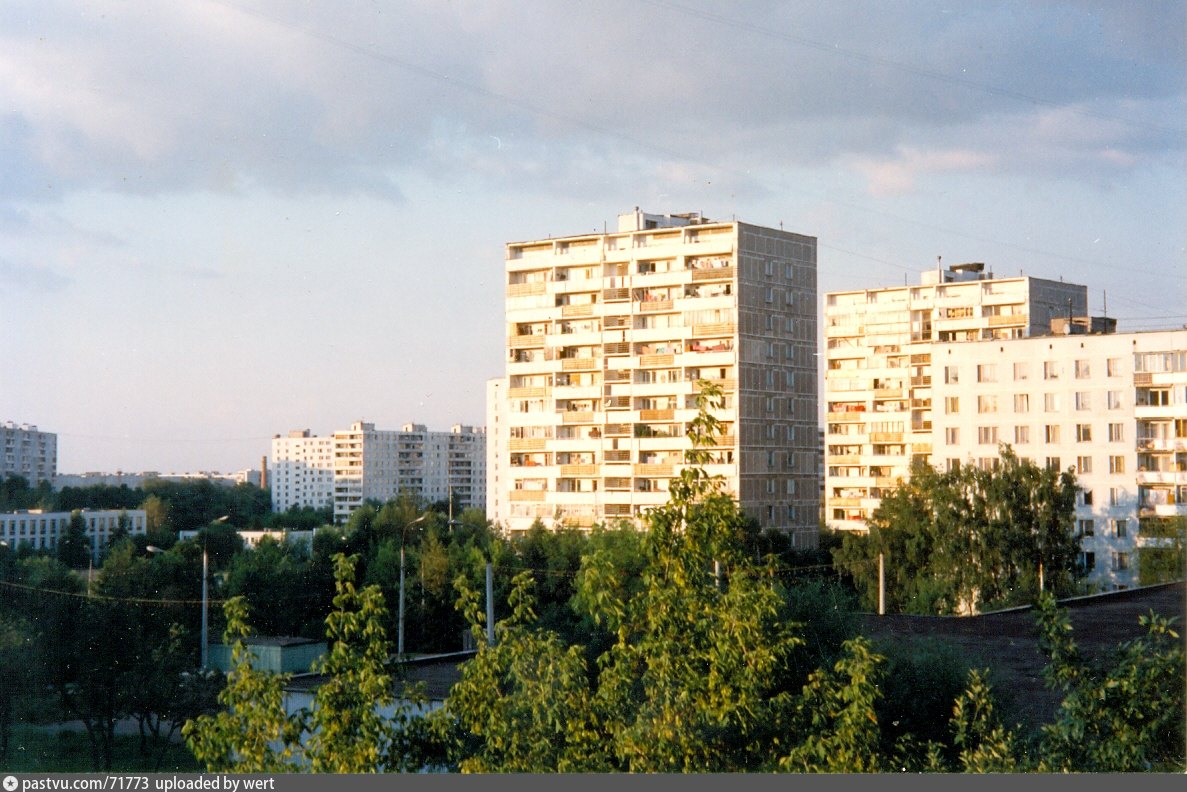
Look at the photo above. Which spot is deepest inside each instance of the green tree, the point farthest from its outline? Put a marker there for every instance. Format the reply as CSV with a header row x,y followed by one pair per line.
x,y
252,733
1122,715
74,548
968,539
18,659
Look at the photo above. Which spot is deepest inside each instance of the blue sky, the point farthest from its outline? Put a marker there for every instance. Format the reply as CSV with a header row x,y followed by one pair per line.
x,y
225,219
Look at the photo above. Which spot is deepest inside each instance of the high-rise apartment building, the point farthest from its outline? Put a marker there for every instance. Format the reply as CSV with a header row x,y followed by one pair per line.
x,y
607,337
24,451
881,375
1110,406
301,471
363,463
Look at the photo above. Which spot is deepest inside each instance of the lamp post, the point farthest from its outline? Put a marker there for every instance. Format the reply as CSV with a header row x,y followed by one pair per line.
x,y
400,630
205,598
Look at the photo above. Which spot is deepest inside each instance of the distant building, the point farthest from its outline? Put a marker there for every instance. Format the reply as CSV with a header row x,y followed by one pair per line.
x,y
42,530
301,471
139,479
607,337
27,452
363,463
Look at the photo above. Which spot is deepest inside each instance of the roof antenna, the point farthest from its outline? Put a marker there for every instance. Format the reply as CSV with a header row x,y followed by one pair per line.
x,y
1105,292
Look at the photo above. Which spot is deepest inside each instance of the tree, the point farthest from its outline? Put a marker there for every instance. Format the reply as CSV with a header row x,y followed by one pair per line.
x,y
969,539
252,733
1122,715
348,728
18,660
74,549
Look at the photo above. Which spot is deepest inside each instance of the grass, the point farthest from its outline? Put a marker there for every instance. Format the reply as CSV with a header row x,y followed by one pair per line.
x,y
39,750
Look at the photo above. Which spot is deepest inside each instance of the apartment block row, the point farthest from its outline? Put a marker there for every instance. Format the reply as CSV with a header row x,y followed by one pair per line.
x,y
351,466
947,371
27,452
608,338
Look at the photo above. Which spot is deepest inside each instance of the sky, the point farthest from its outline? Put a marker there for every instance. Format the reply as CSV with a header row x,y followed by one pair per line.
x,y
221,220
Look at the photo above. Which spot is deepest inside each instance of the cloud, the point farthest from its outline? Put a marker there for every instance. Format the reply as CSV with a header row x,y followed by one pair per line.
x,y
244,94
31,277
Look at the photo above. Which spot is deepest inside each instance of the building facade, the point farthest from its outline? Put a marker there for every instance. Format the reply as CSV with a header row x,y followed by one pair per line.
x,y
1112,407
301,471
880,377
608,336
27,452
363,463
41,530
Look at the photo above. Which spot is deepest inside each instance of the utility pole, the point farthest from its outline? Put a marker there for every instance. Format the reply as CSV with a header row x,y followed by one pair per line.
x,y
490,605
881,584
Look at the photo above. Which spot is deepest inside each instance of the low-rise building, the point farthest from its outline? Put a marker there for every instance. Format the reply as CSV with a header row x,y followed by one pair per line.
x,y
42,530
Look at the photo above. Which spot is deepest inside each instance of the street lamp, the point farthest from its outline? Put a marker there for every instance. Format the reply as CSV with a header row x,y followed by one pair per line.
x,y
400,630
205,599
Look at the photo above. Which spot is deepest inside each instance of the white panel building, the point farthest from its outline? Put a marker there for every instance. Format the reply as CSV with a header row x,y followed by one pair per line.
x,y
881,377
301,471
607,337
42,530
1112,407
364,463
27,452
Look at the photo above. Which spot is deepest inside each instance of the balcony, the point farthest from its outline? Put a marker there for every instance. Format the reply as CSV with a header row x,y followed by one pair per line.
x,y
664,470
527,495
1006,319
657,415
585,471
568,311
617,455
526,289
655,306
619,348
526,341
713,273
526,393
577,417
578,364
616,295
527,444
715,329
657,361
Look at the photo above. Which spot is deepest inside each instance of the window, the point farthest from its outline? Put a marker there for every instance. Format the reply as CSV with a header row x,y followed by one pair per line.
x,y
1119,528
987,372
1083,370
986,404
1114,495
1116,464
1021,434
1085,497
1050,370
951,375
1051,402
1083,433
951,405
1083,464
1088,561
1116,433
952,435
1114,400
1120,562
1021,402
770,294
1051,433
1053,464
1083,400
1021,371
1086,527
1113,367
987,435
